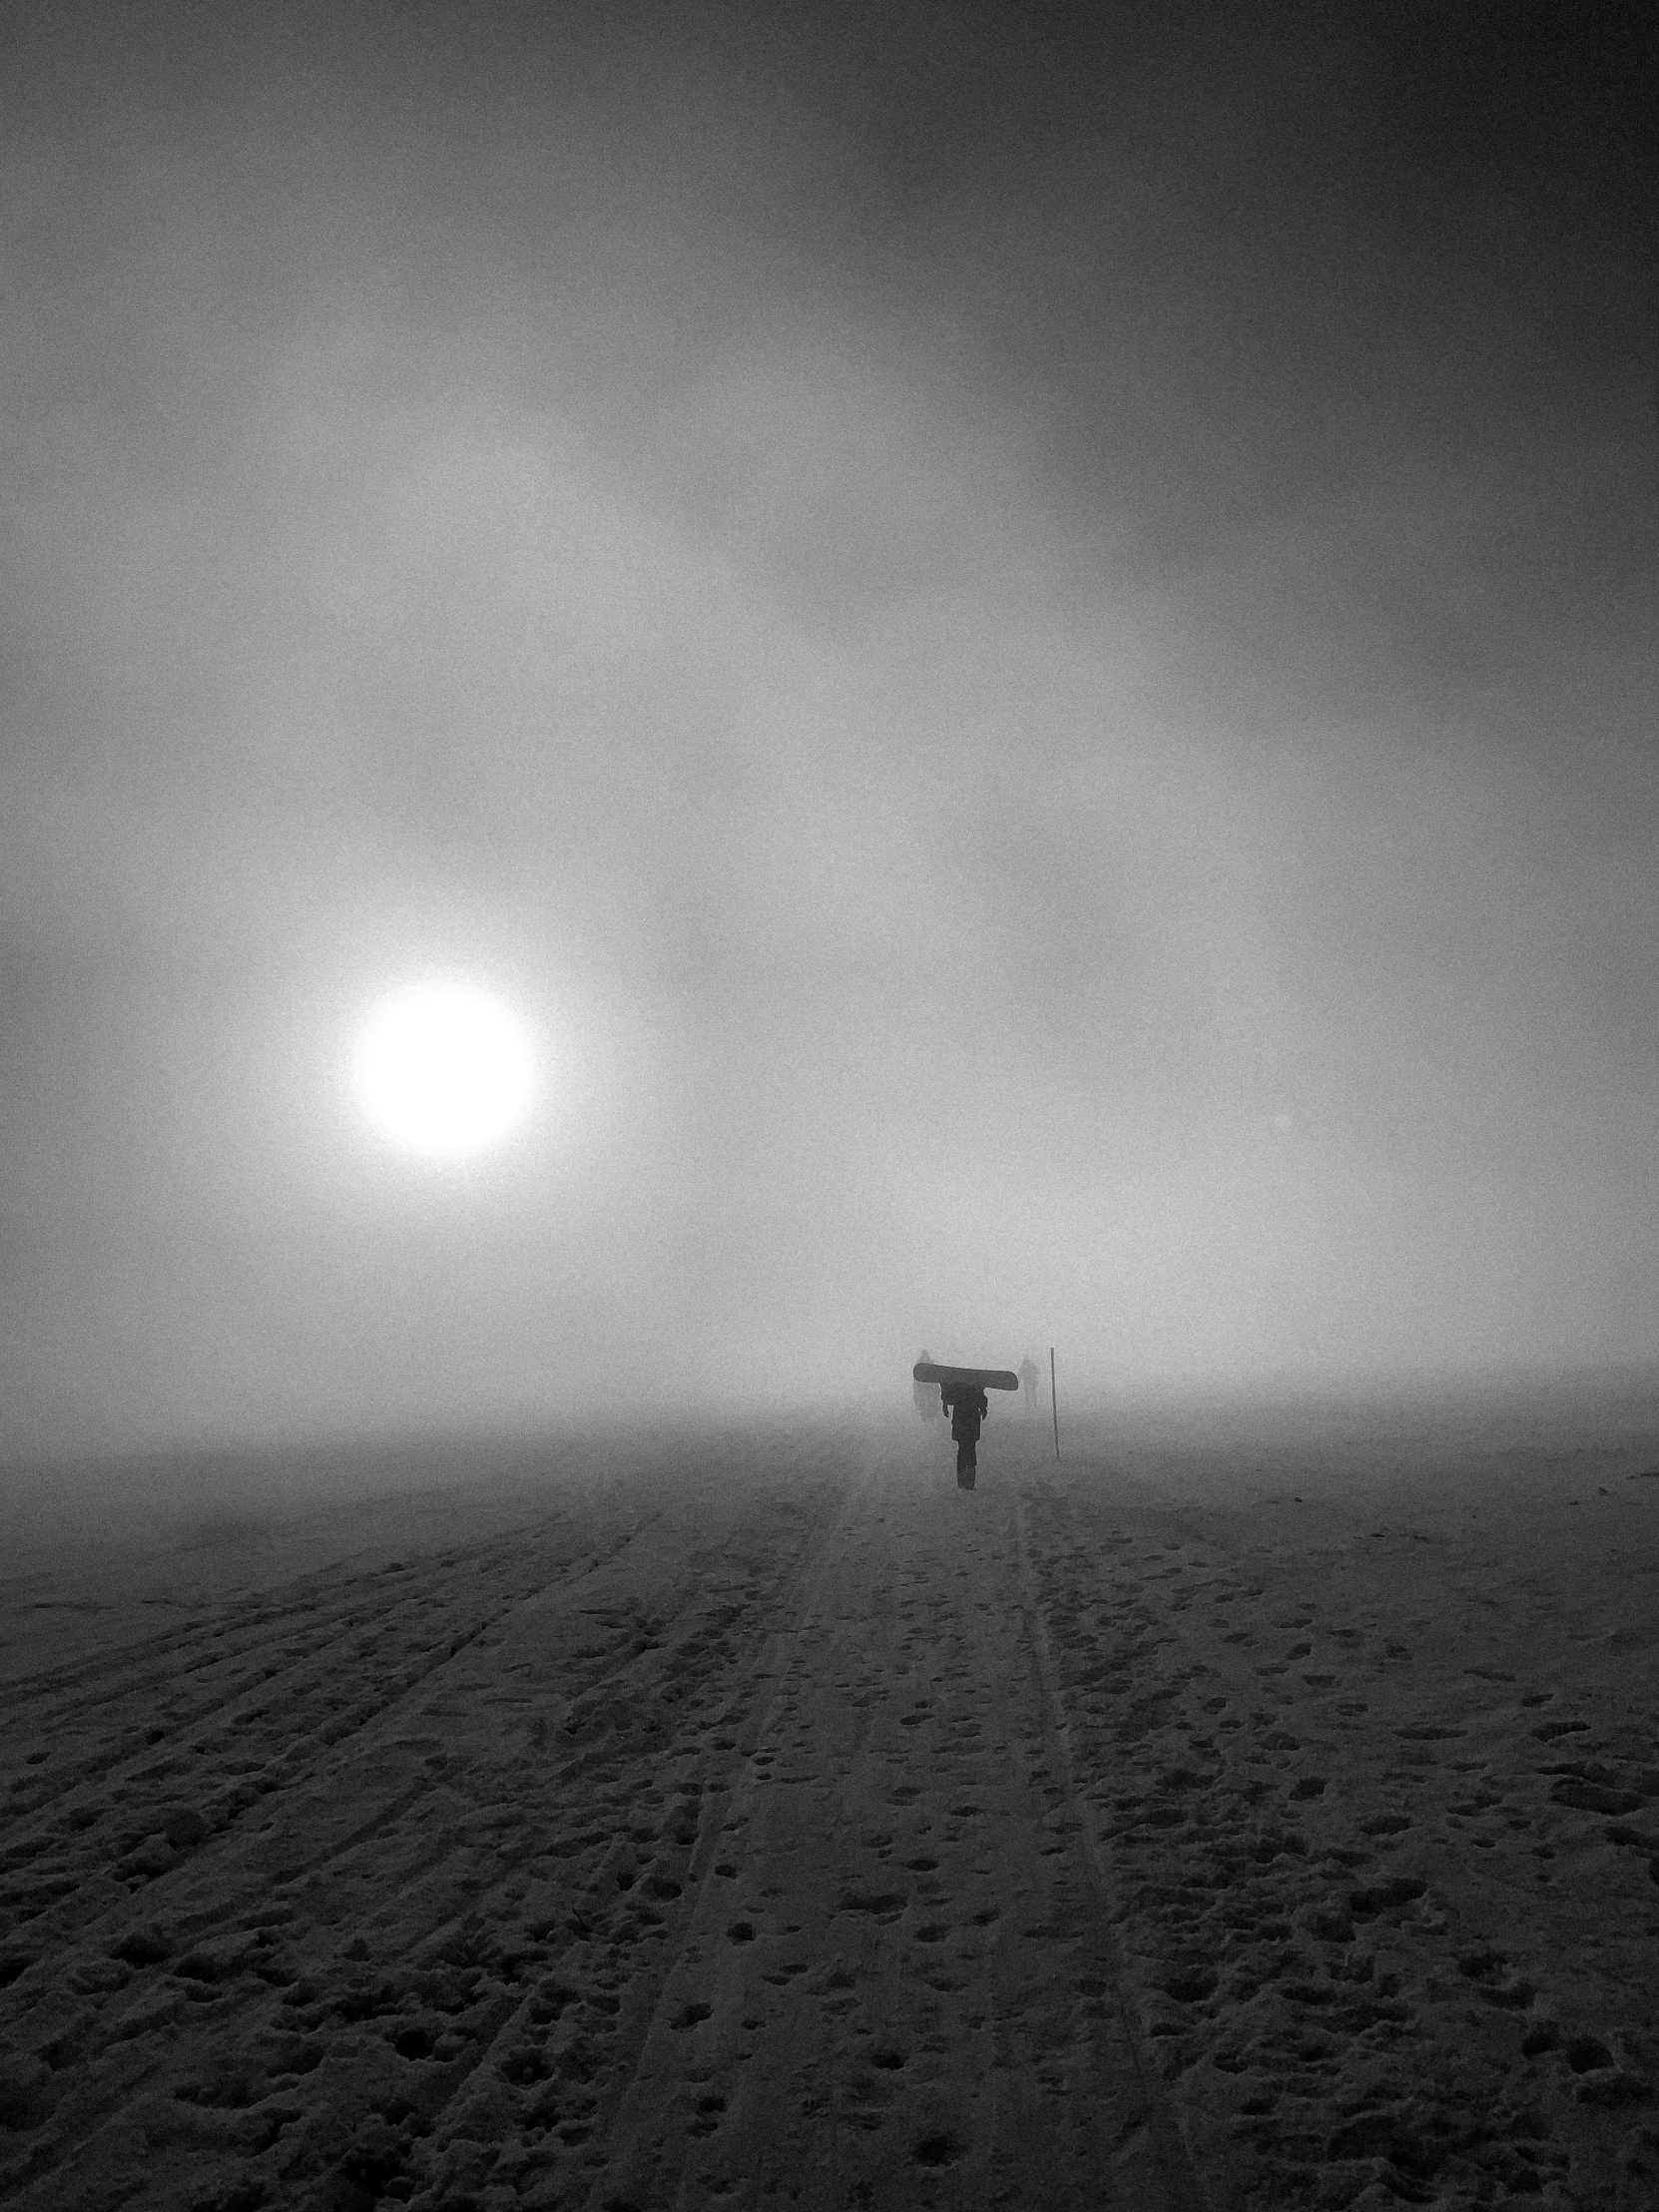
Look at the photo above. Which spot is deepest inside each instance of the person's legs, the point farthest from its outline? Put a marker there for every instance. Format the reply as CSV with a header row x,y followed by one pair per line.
x,y
966,1467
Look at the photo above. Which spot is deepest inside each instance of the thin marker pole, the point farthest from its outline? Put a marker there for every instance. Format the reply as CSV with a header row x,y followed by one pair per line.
x,y
1053,1402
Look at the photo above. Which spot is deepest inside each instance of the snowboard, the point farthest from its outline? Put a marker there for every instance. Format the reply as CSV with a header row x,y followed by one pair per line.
x,y
965,1379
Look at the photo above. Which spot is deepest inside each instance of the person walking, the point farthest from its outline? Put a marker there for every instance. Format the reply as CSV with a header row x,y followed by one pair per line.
x,y
967,1406
1028,1378
924,1393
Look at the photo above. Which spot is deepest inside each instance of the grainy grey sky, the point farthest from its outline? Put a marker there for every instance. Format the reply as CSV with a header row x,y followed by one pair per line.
x,y
1026,640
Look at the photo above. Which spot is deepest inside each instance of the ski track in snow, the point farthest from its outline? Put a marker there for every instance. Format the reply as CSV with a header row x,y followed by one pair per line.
x,y
796,1827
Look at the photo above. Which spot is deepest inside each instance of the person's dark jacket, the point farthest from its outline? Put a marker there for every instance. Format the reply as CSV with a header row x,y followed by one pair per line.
x,y
967,1408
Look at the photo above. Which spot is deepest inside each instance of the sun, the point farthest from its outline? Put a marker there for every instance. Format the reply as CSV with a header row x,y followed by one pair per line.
x,y
443,1069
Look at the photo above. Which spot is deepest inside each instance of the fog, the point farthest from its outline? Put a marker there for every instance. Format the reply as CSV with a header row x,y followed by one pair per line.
x,y
1027,649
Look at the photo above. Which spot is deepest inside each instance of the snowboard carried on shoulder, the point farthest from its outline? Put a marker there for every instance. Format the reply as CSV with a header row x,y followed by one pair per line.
x,y
965,1379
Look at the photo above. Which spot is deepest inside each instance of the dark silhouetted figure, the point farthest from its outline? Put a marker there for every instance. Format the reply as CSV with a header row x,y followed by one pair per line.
x,y
926,1397
967,1407
1028,1383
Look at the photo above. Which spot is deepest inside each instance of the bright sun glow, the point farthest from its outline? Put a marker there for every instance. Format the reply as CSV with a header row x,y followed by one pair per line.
x,y
443,1070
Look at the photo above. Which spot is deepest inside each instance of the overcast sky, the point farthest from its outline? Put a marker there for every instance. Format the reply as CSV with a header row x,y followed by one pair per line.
x,y
1027,639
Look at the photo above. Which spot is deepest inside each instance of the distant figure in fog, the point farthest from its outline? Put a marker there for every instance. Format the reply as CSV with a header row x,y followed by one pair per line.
x,y
1028,1383
926,1396
967,1407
